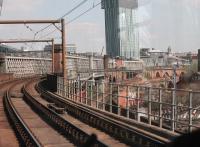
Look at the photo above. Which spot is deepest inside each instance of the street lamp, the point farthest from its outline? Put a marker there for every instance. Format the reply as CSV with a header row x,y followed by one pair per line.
x,y
175,66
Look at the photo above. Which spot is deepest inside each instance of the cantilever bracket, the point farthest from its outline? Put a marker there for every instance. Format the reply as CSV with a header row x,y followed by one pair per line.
x,y
57,27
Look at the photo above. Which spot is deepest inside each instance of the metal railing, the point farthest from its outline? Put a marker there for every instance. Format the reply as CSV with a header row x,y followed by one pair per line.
x,y
176,110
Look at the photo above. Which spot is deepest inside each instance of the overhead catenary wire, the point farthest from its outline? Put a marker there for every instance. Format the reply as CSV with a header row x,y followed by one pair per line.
x,y
30,29
83,13
72,20
67,13
80,4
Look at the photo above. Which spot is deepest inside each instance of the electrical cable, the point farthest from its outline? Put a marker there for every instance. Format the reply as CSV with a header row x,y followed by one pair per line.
x,y
69,12
91,8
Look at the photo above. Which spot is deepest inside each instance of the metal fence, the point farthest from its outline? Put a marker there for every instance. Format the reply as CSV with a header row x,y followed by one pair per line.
x,y
175,110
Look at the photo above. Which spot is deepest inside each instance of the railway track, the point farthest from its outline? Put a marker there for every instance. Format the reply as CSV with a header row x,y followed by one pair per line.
x,y
30,128
54,121
79,131
37,130
7,135
23,132
119,128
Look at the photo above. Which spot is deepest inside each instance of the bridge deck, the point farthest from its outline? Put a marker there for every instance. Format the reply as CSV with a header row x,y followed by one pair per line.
x,y
42,131
45,133
102,136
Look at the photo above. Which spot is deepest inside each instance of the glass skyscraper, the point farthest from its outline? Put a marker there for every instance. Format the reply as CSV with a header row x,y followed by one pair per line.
x,y
122,35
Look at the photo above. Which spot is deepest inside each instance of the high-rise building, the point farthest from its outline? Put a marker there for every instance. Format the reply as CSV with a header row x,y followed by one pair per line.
x,y
122,35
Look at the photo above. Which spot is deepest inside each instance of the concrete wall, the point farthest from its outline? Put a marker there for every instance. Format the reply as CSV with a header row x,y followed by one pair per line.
x,y
26,66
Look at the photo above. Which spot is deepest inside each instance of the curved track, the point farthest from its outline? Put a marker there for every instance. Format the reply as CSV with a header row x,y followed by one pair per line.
x,y
7,135
71,126
31,128
23,132
32,125
30,112
122,130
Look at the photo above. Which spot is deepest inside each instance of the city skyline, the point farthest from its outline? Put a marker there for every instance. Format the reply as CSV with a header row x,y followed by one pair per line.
x,y
157,30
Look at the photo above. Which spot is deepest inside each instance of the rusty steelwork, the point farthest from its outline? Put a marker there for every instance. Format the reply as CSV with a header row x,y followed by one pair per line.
x,y
53,55
63,48
24,41
28,21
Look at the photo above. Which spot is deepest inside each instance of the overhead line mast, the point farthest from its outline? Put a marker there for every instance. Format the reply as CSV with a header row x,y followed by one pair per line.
x,y
43,22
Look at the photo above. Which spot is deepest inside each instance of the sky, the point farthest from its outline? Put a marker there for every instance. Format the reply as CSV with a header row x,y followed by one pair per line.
x,y
174,23
87,32
163,23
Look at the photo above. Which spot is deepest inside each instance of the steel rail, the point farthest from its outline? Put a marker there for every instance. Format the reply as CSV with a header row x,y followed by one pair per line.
x,y
68,129
126,133
22,130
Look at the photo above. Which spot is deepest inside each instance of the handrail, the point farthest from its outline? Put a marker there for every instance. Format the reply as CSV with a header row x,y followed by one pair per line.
x,y
45,110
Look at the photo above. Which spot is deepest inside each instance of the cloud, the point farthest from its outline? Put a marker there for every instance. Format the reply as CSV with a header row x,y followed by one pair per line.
x,y
87,35
192,3
20,7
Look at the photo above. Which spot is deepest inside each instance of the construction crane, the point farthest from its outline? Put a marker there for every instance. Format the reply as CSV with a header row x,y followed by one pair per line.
x,y
102,50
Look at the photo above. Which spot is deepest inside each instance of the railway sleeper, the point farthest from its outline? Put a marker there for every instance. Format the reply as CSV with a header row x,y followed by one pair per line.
x,y
103,125
134,138
56,121
21,132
